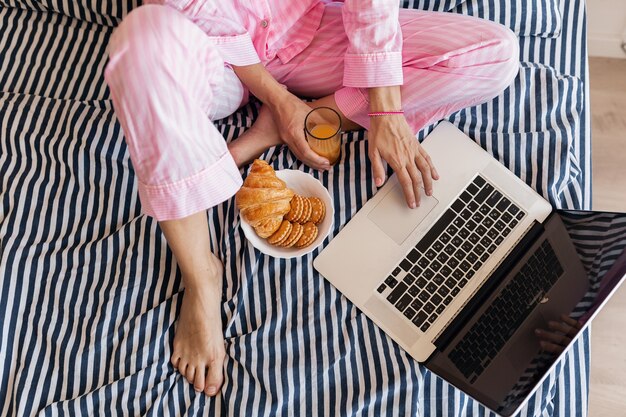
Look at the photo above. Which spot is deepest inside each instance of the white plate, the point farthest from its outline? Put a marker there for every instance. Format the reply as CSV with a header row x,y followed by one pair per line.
x,y
307,186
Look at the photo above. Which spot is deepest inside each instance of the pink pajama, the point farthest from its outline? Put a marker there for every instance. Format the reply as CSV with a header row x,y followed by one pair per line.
x,y
169,81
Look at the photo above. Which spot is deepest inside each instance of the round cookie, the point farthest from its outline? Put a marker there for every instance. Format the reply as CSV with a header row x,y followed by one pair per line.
x,y
309,235
297,206
318,210
306,213
281,234
294,236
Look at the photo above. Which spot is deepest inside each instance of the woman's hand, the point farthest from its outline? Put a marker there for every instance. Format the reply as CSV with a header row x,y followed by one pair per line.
x,y
287,110
559,335
289,113
391,139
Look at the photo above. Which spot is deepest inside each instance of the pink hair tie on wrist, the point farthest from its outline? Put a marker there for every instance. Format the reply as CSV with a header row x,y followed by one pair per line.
x,y
384,113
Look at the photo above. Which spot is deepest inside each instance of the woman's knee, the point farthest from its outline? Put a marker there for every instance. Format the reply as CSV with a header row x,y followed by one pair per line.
x,y
505,48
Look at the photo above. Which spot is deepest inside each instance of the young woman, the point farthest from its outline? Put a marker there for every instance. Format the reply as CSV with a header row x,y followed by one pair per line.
x,y
177,66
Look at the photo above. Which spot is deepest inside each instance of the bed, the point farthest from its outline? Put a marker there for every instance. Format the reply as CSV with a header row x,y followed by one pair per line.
x,y
89,292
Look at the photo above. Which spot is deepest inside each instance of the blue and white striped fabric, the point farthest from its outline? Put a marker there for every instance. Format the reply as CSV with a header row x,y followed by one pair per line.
x,y
89,293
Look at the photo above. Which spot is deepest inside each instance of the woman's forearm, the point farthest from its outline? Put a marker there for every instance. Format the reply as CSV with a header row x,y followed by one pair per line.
x,y
385,98
261,83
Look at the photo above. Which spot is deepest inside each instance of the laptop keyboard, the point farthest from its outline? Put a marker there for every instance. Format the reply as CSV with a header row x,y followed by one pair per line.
x,y
506,313
455,247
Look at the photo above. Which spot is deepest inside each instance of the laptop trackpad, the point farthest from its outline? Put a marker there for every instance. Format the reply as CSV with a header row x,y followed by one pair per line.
x,y
394,217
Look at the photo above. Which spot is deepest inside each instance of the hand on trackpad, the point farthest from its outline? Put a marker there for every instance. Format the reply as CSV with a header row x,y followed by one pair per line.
x,y
394,217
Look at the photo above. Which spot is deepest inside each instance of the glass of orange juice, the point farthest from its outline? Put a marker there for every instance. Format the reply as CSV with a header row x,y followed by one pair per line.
x,y
322,129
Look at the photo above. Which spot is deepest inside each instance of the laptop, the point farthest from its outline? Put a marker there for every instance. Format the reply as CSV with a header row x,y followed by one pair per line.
x,y
462,281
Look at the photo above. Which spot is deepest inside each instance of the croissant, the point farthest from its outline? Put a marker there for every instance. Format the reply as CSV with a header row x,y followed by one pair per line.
x,y
263,199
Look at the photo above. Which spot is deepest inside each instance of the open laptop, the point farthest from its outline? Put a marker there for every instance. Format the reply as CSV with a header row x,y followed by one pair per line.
x,y
462,281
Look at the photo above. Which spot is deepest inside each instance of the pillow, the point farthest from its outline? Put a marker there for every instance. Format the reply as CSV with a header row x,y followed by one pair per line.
x,y
525,17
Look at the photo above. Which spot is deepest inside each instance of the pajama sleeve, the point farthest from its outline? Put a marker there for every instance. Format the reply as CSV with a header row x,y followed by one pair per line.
x,y
233,41
374,56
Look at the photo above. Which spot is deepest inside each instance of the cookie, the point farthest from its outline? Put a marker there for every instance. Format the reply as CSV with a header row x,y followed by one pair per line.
x,y
297,206
281,234
306,212
318,210
296,233
309,235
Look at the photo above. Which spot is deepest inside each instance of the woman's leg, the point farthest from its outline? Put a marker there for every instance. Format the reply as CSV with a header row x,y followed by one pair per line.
x,y
165,80
450,62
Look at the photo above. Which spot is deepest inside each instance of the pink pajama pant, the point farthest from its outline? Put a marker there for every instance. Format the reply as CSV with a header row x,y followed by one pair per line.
x,y
168,83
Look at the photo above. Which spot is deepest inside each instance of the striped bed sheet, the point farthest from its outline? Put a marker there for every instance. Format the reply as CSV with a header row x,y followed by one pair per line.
x,y
89,292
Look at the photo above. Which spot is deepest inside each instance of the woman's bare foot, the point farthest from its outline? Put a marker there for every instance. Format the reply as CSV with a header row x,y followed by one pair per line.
x,y
199,351
253,142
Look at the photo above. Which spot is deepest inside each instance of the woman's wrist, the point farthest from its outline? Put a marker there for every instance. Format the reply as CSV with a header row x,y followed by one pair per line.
x,y
385,99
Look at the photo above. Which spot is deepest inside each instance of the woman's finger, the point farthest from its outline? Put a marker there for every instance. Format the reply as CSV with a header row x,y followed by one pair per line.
x,y
407,186
377,166
557,338
433,170
304,153
426,175
416,179
562,327
551,347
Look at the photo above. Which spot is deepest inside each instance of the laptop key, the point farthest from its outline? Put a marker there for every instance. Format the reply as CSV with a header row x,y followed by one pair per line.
x,y
458,205
406,265
409,313
465,266
466,214
409,279
455,291
503,204
471,225
471,257
423,262
436,299
443,291
381,288
479,249
413,256
447,300
452,230
465,196
431,288
446,271
452,263
493,199
424,296
425,327
474,238
506,217
428,274
396,271
487,222
484,210
499,225
451,282
438,279
404,302
513,209
416,304
462,282
464,233
432,318
499,240
416,270
478,218
435,266
472,189
445,238
519,215
398,292
458,222
484,257
481,230
458,274
459,254
479,181
413,290
472,205
429,308
439,226
443,258
449,250
469,274
421,282
420,318
391,281
430,254
466,246
437,246
483,194
440,309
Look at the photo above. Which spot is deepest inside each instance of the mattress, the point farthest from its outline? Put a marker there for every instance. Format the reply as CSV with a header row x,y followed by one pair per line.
x,y
89,292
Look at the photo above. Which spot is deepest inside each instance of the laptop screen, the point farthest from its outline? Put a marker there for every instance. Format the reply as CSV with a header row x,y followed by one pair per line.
x,y
600,242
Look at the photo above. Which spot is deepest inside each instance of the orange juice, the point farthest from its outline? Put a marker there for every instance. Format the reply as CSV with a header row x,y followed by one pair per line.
x,y
328,145
323,131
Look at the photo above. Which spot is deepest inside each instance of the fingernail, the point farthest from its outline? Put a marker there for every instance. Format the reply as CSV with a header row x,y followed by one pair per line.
x,y
429,192
379,182
413,205
212,390
197,389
